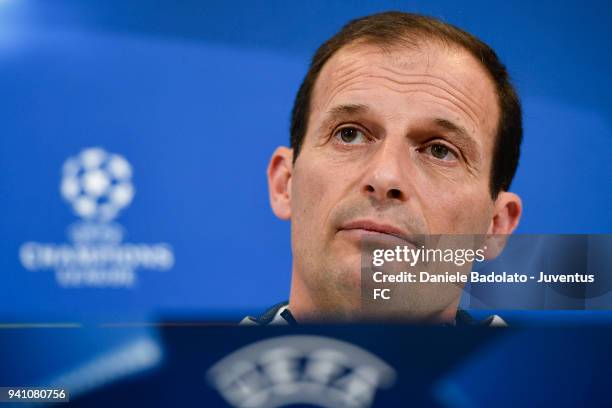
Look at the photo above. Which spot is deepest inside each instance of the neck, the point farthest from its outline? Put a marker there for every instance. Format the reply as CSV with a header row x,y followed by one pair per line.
x,y
301,304
305,308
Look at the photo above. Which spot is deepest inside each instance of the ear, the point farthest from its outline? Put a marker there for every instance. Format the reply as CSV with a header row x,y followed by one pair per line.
x,y
280,171
506,215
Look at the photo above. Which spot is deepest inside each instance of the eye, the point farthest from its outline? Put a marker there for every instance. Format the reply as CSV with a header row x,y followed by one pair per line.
x,y
441,152
351,135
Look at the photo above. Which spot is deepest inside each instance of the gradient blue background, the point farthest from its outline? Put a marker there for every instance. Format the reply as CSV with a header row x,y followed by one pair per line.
x,y
197,95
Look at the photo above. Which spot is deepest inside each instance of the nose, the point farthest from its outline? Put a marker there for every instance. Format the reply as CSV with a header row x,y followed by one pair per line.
x,y
386,179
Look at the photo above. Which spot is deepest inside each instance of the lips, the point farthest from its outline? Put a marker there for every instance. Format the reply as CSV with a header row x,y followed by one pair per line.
x,y
368,226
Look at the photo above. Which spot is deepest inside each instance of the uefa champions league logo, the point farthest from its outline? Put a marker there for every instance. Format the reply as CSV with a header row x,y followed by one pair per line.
x,y
312,370
97,185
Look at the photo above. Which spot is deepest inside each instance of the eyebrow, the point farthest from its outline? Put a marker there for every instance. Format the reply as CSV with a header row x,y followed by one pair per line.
x,y
341,112
350,109
453,127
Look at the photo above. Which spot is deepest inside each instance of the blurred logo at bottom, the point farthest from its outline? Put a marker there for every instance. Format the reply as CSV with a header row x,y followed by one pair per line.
x,y
97,185
314,370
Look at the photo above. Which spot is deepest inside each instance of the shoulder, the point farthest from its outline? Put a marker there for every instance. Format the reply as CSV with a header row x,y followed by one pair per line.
x,y
278,314
463,318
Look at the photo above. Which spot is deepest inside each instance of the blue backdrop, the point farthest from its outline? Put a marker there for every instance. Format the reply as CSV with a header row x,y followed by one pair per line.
x,y
195,96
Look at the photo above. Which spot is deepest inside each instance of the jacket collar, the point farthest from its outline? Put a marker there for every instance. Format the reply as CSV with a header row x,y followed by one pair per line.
x,y
279,314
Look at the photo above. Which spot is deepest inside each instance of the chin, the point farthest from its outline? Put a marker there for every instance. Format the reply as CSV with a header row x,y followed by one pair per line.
x,y
346,276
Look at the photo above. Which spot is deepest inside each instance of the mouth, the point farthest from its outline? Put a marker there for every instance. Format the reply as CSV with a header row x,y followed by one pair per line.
x,y
367,228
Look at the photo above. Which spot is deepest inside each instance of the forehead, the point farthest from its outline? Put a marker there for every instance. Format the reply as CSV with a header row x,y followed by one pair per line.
x,y
433,79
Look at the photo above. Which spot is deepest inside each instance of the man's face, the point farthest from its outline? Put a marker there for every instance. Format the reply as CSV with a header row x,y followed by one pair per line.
x,y
399,142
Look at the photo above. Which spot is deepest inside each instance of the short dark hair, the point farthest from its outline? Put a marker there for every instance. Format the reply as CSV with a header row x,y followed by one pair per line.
x,y
392,28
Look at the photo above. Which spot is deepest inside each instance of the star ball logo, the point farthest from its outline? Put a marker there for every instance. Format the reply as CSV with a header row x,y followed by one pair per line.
x,y
97,185
288,370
